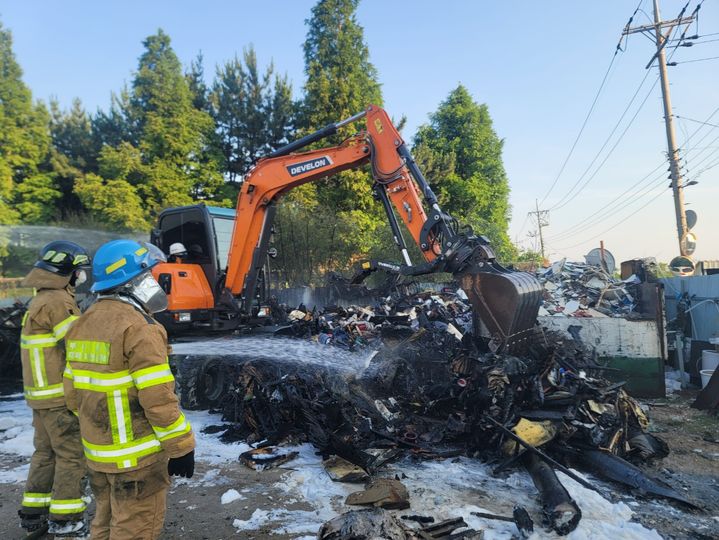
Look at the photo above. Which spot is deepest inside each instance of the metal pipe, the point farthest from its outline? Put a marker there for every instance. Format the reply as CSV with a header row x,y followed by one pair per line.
x,y
351,119
393,223
326,131
429,195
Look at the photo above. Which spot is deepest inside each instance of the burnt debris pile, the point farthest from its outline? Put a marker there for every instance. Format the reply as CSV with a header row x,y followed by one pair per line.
x,y
435,392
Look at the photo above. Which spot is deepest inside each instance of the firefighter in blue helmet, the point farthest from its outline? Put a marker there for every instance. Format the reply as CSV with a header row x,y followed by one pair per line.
x,y
118,381
54,483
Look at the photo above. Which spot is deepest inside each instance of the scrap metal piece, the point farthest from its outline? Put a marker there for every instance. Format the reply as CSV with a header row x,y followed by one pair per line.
x,y
616,469
520,517
385,493
341,470
444,527
366,523
543,456
561,512
532,432
267,457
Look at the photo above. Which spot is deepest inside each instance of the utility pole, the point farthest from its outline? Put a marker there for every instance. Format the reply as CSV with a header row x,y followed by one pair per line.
x,y
542,217
672,151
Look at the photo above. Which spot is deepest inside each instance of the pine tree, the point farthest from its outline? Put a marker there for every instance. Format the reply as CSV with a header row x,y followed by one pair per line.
x,y
72,154
461,155
253,112
26,192
162,151
341,81
195,77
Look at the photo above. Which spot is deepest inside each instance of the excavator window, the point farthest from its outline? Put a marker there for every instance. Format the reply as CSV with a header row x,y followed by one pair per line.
x,y
223,232
189,228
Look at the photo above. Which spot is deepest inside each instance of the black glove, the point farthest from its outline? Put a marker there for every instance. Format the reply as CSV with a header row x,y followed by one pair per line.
x,y
182,466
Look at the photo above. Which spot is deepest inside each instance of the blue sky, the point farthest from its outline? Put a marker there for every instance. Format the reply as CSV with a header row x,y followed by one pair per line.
x,y
537,65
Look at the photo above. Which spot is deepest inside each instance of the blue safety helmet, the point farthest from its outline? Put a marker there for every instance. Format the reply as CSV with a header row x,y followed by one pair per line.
x,y
118,261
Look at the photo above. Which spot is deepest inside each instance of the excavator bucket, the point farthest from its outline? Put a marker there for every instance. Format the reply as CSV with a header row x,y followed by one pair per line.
x,y
505,303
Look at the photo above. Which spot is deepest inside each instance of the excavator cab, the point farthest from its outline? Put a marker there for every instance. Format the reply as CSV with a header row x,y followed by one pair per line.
x,y
194,283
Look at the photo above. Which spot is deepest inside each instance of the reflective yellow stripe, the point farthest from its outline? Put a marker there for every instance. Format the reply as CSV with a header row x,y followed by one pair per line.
x,y
36,500
101,382
177,428
114,266
141,251
122,455
89,352
46,392
152,376
60,329
37,365
68,372
118,407
67,506
33,341
80,259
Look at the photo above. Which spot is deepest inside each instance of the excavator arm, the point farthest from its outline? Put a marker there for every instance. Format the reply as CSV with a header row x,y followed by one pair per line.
x,y
506,302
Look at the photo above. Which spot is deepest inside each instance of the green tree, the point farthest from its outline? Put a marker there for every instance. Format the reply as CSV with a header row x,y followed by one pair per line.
x,y
117,125
339,219
73,153
26,192
195,77
253,112
156,145
341,81
461,155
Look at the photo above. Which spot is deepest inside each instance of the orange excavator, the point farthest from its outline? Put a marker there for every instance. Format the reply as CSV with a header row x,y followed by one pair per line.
x,y
214,285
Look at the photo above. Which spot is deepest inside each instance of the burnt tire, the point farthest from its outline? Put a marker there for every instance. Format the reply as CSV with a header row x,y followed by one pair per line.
x,y
202,381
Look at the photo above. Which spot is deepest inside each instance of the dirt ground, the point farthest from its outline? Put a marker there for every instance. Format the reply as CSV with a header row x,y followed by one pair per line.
x,y
194,509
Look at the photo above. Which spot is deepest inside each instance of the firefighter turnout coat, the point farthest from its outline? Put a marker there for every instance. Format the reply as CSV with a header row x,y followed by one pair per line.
x,y
47,320
119,381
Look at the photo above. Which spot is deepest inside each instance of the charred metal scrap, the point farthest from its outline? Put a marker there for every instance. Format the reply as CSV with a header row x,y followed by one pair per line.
x,y
437,393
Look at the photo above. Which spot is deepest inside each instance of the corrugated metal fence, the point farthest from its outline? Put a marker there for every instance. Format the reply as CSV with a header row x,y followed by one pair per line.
x,y
703,295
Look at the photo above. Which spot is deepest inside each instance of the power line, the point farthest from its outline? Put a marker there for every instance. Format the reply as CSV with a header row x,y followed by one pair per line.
x,y
567,233
641,196
609,209
616,224
692,61
571,194
697,121
591,108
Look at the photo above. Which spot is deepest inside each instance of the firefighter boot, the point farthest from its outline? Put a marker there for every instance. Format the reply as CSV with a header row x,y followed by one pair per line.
x,y
77,530
31,522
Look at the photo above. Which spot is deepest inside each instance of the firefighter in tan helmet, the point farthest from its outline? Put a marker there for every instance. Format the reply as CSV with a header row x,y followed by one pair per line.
x,y
117,378
54,483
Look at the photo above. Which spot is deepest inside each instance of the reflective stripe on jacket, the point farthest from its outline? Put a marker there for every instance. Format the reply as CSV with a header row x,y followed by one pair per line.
x,y
46,322
118,379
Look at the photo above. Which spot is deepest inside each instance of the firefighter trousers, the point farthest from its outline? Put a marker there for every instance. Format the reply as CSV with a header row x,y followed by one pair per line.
x,y
130,506
57,467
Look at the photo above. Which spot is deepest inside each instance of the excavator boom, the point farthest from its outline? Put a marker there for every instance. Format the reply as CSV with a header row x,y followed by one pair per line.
x,y
505,302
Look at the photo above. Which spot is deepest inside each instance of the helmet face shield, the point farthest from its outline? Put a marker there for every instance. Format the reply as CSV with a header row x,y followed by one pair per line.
x,y
147,291
154,253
